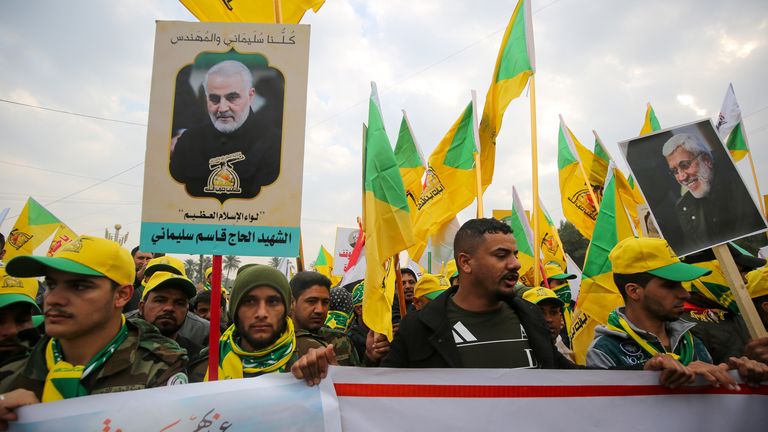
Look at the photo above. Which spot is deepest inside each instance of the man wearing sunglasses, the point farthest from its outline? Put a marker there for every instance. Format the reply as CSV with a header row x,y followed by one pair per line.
x,y
712,205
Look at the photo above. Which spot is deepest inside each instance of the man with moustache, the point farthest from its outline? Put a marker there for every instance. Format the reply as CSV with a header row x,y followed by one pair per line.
x,y
711,210
480,323
165,303
89,348
648,276
238,152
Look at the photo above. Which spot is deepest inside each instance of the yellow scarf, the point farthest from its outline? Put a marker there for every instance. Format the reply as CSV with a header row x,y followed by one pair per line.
x,y
234,362
64,380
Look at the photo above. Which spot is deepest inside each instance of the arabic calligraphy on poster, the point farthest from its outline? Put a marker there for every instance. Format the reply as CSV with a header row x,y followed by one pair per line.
x,y
225,142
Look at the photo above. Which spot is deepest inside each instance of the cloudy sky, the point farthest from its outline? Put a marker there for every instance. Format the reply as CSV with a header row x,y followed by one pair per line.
x,y
598,63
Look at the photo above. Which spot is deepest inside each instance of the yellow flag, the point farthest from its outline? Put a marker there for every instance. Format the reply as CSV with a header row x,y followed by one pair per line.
x,y
450,182
411,163
579,207
33,226
549,239
650,122
515,64
629,197
63,236
260,11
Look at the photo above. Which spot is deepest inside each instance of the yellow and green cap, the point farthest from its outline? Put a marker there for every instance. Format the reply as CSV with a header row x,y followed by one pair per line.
x,y
428,286
165,264
536,295
757,282
450,270
652,255
86,255
163,279
17,290
357,294
554,271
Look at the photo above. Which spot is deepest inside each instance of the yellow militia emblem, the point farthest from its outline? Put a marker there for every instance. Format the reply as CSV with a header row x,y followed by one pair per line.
x,y
224,178
18,239
11,282
583,201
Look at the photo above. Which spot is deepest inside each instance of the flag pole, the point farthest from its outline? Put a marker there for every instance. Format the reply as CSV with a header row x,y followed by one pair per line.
x,y
535,181
399,285
213,333
478,169
300,258
754,174
278,12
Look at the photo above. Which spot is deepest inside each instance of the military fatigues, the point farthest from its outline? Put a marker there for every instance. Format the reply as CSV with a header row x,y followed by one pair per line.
x,y
346,355
145,359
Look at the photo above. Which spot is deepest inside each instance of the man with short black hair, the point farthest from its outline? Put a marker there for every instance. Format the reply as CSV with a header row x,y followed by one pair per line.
x,y
140,260
17,322
309,308
648,276
165,303
480,323
89,346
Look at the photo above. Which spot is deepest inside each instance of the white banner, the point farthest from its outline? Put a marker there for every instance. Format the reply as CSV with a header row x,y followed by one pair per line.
x,y
357,399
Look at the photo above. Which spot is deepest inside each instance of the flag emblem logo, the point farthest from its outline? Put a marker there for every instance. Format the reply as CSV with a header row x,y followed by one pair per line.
x,y
18,239
223,177
11,282
583,202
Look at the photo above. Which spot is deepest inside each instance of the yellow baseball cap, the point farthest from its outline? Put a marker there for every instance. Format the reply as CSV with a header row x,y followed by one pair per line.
x,y
163,279
652,255
208,272
429,286
554,271
17,290
86,255
757,282
535,295
165,264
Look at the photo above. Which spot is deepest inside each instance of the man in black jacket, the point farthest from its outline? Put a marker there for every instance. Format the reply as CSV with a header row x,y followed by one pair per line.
x,y
480,323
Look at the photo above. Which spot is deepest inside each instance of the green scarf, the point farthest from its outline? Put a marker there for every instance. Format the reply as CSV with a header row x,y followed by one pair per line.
x,y
684,348
64,380
234,362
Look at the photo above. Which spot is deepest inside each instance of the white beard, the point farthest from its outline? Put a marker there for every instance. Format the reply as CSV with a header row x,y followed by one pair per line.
x,y
705,180
227,127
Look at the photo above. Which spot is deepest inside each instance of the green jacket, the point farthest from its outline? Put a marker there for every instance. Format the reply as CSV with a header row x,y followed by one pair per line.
x,y
346,355
145,359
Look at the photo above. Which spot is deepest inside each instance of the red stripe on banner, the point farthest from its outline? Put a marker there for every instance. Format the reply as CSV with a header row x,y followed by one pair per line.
x,y
530,391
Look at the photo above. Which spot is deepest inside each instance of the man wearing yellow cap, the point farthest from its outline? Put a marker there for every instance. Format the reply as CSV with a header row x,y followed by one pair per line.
x,y
17,322
552,308
90,348
648,276
165,304
428,288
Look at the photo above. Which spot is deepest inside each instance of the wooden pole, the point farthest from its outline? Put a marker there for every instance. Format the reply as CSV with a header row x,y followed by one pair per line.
x,y
478,168
740,294
300,258
535,181
757,185
278,12
213,333
399,285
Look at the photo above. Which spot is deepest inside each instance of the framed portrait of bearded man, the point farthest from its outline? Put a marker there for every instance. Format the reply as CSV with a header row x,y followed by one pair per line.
x,y
693,189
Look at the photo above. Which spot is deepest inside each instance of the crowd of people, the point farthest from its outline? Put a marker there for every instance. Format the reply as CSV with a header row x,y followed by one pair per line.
x,y
111,320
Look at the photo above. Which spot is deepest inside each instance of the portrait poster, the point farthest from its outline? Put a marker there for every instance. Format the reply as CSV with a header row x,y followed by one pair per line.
x,y
694,192
225,141
342,251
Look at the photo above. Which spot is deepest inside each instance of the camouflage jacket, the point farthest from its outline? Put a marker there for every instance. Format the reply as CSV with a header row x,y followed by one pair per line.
x,y
346,355
145,359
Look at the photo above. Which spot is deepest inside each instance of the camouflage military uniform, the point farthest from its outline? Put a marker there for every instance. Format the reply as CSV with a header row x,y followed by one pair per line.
x,y
145,359
346,355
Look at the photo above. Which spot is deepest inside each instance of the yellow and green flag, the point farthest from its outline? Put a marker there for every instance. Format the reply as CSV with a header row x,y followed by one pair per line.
x,y
514,65
549,240
411,162
259,11
63,236
713,286
523,235
324,263
629,195
730,126
598,294
450,183
34,225
650,123
578,206
386,222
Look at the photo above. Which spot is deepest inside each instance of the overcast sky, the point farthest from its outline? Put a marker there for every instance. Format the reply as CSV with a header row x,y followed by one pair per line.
x,y
598,63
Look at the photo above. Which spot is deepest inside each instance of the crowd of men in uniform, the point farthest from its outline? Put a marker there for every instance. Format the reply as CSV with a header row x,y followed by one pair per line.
x,y
113,320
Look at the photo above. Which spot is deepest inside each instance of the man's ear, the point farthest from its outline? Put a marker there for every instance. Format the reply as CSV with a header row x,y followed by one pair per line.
x,y
462,262
123,295
633,291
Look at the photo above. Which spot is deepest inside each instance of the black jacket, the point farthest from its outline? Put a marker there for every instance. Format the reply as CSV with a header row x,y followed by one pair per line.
x,y
424,339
